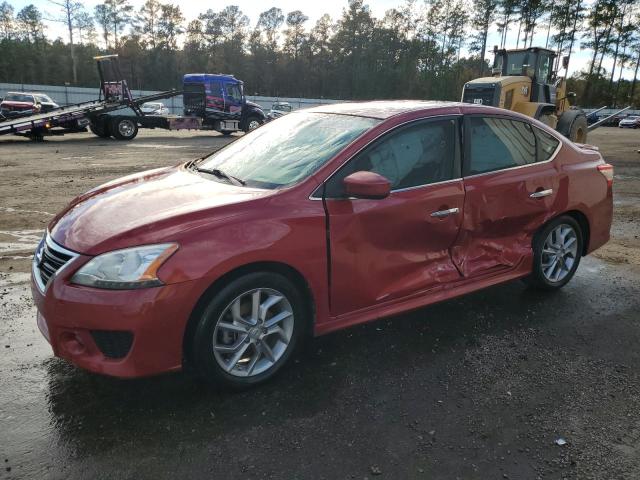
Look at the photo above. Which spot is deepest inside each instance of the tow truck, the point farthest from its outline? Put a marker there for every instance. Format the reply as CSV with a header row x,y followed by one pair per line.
x,y
117,114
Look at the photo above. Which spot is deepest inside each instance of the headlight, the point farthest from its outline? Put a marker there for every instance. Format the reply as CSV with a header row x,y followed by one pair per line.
x,y
130,268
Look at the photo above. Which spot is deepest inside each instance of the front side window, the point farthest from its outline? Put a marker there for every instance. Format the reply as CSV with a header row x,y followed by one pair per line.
x,y
233,91
496,143
289,149
412,156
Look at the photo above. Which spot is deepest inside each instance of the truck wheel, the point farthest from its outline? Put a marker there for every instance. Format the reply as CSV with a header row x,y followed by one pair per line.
x,y
124,128
573,125
100,128
253,122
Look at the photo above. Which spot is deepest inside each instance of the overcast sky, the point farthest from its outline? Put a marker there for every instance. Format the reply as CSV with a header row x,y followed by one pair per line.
x,y
313,10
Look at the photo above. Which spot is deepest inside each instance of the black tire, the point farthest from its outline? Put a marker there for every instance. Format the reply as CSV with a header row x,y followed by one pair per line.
x,y
538,278
100,128
573,125
124,128
205,334
251,121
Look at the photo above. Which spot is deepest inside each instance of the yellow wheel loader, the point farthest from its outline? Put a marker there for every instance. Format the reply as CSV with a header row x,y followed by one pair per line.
x,y
526,81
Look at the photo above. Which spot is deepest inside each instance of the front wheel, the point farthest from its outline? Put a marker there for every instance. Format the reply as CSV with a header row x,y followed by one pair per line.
x,y
557,250
248,330
253,122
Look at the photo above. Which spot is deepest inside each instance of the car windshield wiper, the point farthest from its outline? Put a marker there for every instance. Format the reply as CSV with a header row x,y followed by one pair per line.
x,y
220,174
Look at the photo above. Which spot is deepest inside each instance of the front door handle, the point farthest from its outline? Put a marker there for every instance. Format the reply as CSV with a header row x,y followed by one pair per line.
x,y
445,213
542,193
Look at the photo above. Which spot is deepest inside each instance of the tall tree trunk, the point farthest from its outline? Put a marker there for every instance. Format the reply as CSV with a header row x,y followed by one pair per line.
x,y
484,46
573,30
546,43
74,62
635,77
615,54
615,97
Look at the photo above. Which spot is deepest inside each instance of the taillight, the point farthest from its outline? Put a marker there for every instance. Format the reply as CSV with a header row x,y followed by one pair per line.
x,y
607,171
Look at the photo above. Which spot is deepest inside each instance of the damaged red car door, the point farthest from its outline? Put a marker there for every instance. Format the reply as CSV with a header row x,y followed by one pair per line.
x,y
385,249
512,187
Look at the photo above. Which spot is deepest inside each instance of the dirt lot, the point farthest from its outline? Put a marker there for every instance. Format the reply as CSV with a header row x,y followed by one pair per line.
x,y
475,388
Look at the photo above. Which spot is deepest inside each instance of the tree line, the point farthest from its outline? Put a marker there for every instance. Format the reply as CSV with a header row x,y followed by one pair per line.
x,y
421,49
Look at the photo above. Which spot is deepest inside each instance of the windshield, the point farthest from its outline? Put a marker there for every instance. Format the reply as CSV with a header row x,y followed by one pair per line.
x,y
516,60
19,97
289,149
43,98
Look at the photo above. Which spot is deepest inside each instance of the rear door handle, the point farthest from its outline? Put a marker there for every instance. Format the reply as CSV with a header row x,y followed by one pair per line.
x,y
542,193
445,213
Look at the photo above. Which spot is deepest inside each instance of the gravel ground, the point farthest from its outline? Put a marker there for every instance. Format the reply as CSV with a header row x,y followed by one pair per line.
x,y
480,387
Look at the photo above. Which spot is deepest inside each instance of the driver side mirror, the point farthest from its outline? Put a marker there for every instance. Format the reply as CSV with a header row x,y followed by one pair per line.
x,y
369,185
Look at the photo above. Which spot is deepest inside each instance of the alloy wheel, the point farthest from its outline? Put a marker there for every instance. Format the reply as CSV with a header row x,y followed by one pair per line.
x,y
253,332
559,253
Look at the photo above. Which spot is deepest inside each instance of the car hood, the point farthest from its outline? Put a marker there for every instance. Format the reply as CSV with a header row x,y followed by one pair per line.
x,y
253,104
149,207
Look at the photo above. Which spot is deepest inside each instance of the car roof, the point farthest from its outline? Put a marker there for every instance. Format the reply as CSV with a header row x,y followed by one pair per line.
x,y
381,109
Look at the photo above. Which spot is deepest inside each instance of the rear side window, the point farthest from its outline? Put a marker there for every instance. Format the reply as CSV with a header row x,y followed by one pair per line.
x,y
412,156
497,143
547,145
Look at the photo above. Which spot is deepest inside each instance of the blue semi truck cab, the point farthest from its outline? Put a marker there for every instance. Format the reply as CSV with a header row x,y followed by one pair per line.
x,y
220,102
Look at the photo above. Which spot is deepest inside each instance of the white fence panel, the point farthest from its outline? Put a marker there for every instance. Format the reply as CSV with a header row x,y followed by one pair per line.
x,y
65,95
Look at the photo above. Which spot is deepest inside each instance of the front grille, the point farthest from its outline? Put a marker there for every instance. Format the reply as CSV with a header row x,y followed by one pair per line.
x,y
479,95
113,343
50,258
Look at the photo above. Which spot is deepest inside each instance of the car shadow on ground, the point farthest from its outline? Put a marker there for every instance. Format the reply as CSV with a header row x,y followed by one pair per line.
x,y
85,406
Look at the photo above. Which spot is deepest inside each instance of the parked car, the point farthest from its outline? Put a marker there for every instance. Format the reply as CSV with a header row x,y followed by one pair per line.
x,y
632,121
320,220
279,109
154,108
26,103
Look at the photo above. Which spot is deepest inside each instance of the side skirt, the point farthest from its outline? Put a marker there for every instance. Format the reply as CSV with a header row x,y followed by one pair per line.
x,y
422,299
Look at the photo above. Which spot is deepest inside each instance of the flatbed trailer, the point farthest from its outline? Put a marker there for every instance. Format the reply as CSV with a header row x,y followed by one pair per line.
x,y
75,117
115,114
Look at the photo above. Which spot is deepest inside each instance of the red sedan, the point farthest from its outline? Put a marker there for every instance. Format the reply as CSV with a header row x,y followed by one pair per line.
x,y
322,219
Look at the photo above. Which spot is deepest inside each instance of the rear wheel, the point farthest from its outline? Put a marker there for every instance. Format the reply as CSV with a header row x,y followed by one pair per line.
x,y
124,128
248,330
573,125
557,250
100,128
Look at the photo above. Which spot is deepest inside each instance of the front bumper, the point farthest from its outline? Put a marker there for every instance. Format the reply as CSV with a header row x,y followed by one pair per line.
x,y
155,318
